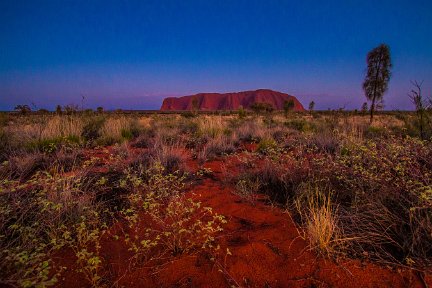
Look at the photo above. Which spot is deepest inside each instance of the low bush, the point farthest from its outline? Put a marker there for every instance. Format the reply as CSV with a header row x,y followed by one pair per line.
x,y
267,146
45,145
324,141
162,220
23,167
250,131
216,147
133,131
385,185
171,157
301,125
34,221
92,129
144,140
53,211
380,203
248,187
373,132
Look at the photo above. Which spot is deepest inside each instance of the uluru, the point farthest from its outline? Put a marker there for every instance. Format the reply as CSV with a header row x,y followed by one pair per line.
x,y
230,101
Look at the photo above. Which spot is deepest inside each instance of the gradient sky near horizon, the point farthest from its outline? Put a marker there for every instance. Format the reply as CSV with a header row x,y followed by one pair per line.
x,y
132,54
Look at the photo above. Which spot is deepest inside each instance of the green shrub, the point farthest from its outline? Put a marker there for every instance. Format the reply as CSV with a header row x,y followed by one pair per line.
x,y
375,132
73,139
45,145
261,107
106,140
189,114
385,187
242,113
92,129
178,226
267,146
188,126
247,187
127,134
52,145
301,125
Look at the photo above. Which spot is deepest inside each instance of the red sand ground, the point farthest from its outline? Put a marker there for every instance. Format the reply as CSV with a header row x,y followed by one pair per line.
x,y
230,101
265,245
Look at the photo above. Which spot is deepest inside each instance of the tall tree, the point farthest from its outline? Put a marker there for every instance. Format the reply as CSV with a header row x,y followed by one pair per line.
x,y
377,75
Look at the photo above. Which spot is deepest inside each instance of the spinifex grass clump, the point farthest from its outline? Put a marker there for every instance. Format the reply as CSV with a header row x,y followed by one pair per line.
x,y
216,147
320,217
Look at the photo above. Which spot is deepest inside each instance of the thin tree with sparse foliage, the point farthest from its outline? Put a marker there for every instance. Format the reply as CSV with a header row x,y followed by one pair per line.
x,y
311,107
377,75
421,107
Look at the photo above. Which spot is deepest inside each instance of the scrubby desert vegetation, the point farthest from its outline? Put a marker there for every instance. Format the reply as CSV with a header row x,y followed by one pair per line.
x,y
104,199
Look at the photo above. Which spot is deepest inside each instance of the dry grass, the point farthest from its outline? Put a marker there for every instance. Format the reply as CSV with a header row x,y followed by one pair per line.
x,y
22,167
48,128
63,126
248,189
114,126
251,131
171,157
146,122
211,125
216,147
319,216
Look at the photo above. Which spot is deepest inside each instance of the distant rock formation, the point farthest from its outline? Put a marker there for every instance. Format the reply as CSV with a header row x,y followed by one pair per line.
x,y
229,101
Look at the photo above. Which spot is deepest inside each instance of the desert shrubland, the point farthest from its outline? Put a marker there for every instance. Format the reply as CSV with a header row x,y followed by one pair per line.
x,y
69,181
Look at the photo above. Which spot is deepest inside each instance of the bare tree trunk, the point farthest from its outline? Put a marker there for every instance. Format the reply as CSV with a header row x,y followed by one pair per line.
x,y
374,94
372,111
422,136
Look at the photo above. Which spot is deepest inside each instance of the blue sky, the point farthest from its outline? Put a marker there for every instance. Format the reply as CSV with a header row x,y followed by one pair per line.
x,y
132,54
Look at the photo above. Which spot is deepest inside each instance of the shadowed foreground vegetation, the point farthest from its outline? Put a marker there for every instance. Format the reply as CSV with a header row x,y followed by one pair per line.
x,y
354,190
